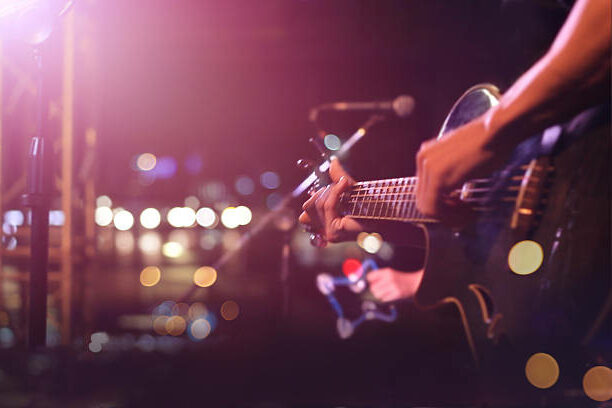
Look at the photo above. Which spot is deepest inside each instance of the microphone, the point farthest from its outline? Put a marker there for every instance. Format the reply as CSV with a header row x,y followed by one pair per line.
x,y
402,106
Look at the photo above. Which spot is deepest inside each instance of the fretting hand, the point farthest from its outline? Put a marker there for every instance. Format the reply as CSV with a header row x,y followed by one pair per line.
x,y
321,211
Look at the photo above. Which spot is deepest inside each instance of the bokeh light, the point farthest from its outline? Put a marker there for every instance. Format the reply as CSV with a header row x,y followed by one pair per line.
x,y
180,309
230,310
150,218
270,180
146,162
14,217
351,268
173,249
159,325
525,257
230,240
176,325
181,217
192,202
57,218
200,329
124,243
243,215
150,276
244,185
372,243
597,383
542,370
150,243
273,200
123,220
197,310
332,142
206,217
230,218
210,239
205,276
104,201
103,216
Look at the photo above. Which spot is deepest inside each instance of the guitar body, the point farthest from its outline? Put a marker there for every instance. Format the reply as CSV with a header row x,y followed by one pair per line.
x,y
563,301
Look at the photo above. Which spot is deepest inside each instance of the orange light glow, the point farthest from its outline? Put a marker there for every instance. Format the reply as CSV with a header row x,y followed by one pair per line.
x,y
205,276
176,325
542,370
597,383
230,310
146,162
525,257
150,276
159,325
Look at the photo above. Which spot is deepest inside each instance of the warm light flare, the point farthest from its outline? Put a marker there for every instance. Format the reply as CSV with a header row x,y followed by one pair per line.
x,y
205,276
542,370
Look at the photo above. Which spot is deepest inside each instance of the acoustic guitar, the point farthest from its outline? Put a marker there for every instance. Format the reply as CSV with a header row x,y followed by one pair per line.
x,y
534,266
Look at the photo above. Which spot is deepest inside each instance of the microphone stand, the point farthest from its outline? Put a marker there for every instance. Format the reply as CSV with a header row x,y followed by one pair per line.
x,y
309,181
37,198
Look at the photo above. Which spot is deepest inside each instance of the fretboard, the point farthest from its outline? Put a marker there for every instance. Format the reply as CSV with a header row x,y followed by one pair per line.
x,y
390,199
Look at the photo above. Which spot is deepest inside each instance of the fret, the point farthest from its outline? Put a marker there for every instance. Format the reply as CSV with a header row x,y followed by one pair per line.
x,y
412,195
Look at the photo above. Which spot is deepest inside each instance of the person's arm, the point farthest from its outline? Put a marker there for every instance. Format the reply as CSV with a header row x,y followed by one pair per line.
x,y
388,284
573,75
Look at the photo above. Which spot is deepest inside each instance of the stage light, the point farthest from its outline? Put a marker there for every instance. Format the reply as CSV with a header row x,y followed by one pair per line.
x,y
205,276
542,370
150,276
243,215
525,257
31,20
146,162
165,168
229,218
207,217
597,383
200,329
123,220
150,218
230,310
172,249
332,142
103,216
270,180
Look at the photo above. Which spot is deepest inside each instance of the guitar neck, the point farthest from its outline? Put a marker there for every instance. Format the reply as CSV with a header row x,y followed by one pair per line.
x,y
390,199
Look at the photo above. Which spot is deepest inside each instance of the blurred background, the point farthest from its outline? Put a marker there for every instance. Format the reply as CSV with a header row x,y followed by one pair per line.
x,y
175,128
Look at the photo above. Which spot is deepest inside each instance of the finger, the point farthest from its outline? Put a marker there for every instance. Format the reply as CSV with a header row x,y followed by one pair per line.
x,y
336,171
304,218
310,208
330,208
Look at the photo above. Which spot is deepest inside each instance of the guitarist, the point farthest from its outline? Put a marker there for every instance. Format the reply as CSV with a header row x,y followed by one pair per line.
x,y
572,80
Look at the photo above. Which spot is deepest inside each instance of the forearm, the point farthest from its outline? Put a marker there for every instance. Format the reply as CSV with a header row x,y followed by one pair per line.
x,y
572,75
